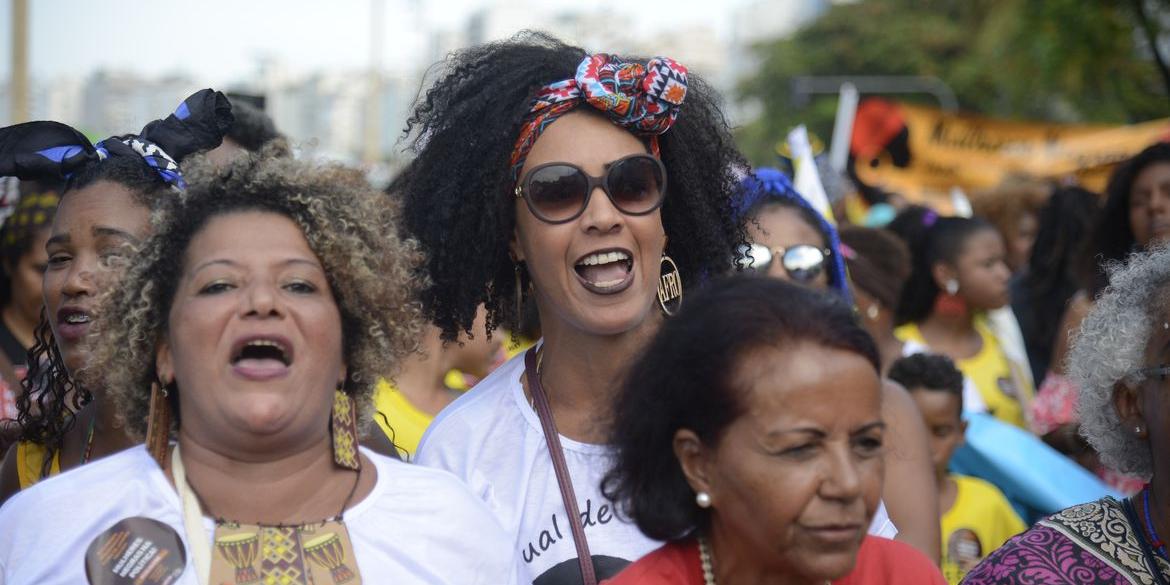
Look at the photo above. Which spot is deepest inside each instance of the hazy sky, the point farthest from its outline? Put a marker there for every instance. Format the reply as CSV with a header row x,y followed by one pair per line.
x,y
220,40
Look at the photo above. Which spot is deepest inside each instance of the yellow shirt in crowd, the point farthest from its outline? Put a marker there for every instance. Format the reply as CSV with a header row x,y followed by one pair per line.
x,y
979,522
1003,389
409,423
30,457
406,422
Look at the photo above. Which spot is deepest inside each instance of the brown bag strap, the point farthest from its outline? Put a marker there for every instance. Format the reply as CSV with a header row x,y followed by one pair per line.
x,y
553,439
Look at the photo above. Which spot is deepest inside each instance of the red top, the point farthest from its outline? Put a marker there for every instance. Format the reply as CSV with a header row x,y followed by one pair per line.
x,y
879,562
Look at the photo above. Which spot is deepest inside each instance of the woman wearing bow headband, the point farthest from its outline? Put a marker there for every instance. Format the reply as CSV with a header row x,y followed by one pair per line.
x,y
110,189
601,188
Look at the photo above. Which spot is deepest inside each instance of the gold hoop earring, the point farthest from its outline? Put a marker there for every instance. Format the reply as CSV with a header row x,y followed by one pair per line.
x,y
670,290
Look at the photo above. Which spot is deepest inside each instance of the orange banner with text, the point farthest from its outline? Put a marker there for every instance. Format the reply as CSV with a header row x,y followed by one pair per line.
x,y
922,153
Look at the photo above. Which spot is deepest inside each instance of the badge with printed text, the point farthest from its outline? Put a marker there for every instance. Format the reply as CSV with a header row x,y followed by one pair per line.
x,y
136,551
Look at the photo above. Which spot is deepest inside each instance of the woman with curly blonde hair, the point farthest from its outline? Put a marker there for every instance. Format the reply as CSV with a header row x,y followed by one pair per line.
x,y
253,327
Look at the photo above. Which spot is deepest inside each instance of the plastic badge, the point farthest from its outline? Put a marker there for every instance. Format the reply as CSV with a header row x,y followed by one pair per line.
x,y
136,551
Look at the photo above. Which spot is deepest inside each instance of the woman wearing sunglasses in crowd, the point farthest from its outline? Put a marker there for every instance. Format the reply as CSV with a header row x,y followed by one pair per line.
x,y
791,241
958,274
580,181
110,190
757,453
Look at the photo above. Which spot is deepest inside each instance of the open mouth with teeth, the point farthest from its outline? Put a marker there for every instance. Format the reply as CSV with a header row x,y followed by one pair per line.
x,y
261,357
72,324
78,319
607,271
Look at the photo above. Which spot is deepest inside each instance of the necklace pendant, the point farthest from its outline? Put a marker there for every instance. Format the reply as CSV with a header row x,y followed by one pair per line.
x,y
317,553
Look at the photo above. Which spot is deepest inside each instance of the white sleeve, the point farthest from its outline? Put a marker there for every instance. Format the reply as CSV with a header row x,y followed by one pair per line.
x,y
881,525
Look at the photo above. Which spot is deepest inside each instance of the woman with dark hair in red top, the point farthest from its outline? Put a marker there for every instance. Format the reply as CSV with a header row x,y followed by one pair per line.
x,y
749,436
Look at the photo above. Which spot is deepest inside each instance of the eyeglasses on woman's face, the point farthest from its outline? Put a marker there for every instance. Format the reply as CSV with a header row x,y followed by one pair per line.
x,y
559,192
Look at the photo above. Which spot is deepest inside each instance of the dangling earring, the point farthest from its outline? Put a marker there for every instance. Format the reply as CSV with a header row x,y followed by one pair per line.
x,y
669,287
950,303
344,428
872,312
158,423
519,291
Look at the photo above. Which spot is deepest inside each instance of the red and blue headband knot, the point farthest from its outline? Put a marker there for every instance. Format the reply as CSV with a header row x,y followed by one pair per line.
x,y
642,98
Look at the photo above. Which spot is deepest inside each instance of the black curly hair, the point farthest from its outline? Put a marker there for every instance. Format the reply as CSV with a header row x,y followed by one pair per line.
x,y
457,192
252,128
49,397
928,371
685,378
1112,239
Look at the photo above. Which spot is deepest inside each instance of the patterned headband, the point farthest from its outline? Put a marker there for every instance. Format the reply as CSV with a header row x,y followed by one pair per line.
x,y
33,211
39,150
644,99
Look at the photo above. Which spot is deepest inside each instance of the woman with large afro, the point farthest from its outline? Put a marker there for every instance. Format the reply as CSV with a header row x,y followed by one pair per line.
x,y
600,187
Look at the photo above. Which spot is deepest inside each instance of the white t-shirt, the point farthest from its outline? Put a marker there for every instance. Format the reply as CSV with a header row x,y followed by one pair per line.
x,y
491,438
417,525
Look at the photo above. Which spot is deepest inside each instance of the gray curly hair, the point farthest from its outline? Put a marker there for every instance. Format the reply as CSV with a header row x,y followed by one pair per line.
x,y
372,268
1110,348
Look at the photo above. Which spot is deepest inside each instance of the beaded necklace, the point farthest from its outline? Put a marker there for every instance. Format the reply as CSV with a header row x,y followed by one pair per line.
x,y
1153,532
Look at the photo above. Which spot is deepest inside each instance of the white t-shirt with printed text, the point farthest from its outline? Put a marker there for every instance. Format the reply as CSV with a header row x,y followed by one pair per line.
x,y
417,526
492,439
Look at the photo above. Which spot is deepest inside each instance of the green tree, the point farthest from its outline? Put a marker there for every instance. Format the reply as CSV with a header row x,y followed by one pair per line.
x,y
1057,60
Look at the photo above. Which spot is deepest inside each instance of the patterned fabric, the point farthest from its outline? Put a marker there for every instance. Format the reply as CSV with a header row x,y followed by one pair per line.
x,y
1088,544
280,556
644,99
38,150
345,435
33,211
309,554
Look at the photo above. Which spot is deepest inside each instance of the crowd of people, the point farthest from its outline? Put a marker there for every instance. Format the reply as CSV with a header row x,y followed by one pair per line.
x,y
578,340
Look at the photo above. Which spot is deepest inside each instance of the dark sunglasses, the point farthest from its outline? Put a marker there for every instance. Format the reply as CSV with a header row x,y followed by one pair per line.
x,y
802,262
559,192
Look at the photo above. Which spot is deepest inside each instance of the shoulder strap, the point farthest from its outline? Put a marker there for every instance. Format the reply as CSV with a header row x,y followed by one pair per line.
x,y
553,439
